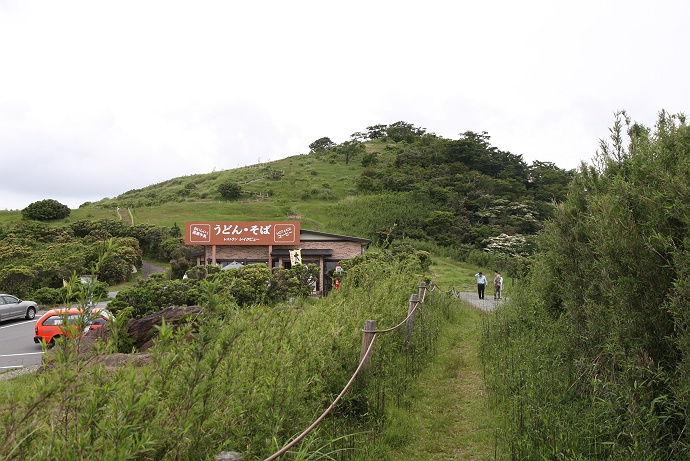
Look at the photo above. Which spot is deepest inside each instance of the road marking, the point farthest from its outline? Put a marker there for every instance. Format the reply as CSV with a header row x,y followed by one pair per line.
x,y
15,324
18,355
12,366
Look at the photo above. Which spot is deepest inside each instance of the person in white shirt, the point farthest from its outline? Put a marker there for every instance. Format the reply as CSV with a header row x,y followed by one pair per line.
x,y
481,284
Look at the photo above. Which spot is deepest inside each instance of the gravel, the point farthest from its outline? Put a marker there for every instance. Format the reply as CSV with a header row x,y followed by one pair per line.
x,y
18,371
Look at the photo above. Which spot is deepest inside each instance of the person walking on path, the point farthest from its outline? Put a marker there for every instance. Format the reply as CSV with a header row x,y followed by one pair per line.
x,y
481,284
498,283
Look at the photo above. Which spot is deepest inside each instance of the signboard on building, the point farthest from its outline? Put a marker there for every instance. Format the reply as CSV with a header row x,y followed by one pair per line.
x,y
241,233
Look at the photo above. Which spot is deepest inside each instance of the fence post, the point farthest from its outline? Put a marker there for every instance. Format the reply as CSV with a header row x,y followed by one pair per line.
x,y
229,456
367,338
422,290
409,324
432,288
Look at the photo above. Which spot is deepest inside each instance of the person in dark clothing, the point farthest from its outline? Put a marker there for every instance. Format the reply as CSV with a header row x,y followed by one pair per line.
x,y
481,284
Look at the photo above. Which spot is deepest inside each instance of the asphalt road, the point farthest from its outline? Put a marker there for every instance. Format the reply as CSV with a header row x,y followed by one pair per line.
x,y
17,346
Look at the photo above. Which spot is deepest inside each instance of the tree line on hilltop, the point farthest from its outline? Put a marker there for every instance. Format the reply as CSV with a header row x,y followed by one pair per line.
x,y
468,192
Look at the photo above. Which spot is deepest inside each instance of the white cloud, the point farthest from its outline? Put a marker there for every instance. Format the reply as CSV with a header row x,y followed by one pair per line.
x,y
98,98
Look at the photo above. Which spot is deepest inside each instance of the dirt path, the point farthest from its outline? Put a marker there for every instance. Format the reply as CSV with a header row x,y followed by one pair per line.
x,y
486,304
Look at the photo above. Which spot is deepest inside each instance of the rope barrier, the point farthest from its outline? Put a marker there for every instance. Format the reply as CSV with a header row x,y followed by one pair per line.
x,y
283,450
363,359
388,330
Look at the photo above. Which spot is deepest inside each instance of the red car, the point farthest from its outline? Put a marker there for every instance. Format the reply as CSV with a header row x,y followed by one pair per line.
x,y
51,324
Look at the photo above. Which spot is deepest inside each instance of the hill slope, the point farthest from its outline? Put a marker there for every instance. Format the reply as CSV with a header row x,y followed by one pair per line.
x,y
393,182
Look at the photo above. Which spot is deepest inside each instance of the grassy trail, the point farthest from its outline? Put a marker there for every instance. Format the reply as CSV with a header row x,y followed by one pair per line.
x,y
448,416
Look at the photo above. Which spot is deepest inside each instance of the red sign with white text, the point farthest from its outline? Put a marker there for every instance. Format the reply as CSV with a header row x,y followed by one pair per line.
x,y
241,233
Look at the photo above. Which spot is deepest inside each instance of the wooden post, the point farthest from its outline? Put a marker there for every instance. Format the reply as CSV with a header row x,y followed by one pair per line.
x,y
432,288
367,338
229,456
409,324
422,290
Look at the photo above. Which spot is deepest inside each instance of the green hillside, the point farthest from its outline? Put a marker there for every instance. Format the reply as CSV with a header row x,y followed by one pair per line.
x,y
392,182
463,198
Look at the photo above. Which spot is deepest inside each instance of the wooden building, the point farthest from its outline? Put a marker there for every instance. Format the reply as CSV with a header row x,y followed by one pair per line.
x,y
240,243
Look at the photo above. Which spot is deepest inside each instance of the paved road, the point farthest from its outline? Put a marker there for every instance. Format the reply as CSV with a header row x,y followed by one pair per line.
x,y
17,346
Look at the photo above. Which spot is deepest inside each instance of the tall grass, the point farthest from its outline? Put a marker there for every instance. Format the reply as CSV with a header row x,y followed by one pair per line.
x,y
244,380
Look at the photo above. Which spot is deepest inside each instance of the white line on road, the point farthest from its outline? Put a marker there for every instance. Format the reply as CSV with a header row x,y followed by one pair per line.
x,y
17,355
12,366
21,323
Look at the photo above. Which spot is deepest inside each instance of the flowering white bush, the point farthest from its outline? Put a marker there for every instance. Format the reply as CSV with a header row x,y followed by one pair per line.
x,y
514,245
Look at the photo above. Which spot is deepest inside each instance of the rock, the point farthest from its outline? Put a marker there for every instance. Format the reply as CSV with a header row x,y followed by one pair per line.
x,y
143,331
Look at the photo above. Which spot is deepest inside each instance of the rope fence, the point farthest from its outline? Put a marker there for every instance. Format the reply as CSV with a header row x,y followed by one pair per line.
x,y
369,334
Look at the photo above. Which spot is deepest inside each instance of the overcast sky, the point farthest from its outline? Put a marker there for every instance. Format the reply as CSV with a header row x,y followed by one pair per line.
x,y
101,97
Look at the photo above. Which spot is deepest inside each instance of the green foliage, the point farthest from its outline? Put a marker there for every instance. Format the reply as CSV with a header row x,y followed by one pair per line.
x,y
16,279
230,190
117,266
123,341
47,296
46,210
244,286
57,253
369,159
321,144
152,295
591,358
349,150
247,284
239,379
383,218
403,131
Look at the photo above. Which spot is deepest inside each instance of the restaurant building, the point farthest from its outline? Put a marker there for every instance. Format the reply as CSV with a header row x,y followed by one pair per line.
x,y
276,244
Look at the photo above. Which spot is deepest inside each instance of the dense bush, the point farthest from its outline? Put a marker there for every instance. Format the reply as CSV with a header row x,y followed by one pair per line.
x,y
46,210
152,295
591,359
47,296
243,286
35,255
230,190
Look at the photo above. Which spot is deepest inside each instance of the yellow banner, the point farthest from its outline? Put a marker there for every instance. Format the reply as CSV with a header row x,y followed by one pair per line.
x,y
295,257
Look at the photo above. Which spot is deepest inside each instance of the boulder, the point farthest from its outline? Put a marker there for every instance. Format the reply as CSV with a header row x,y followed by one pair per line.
x,y
143,331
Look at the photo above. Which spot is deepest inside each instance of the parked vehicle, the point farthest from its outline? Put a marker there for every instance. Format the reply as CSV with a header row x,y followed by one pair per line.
x,y
12,307
52,324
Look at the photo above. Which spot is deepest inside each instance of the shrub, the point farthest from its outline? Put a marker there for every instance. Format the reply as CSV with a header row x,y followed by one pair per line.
x,y
47,296
230,190
46,210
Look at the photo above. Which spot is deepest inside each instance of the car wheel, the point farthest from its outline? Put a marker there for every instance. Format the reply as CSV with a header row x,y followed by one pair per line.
x,y
52,341
31,313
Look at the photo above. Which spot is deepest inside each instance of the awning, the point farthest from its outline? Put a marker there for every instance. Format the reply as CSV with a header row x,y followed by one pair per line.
x,y
305,253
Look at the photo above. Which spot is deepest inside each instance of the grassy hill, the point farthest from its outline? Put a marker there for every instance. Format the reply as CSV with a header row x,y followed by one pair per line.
x,y
301,185
452,193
